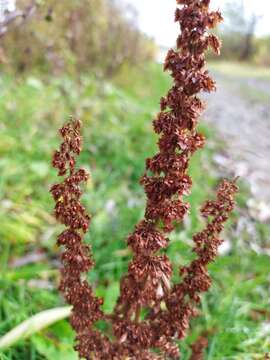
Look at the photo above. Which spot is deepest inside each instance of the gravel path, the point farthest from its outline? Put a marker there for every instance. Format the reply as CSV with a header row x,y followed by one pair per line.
x,y
240,111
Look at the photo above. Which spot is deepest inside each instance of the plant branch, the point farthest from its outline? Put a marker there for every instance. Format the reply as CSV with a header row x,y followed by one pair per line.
x,y
22,15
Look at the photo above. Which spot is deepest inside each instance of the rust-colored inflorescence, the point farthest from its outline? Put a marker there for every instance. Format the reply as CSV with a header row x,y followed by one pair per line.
x,y
76,258
151,314
198,348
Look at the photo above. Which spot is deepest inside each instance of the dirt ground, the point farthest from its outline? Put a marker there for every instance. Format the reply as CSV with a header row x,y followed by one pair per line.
x,y
240,111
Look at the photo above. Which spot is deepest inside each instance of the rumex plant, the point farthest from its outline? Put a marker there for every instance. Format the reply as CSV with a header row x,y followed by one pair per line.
x,y
151,314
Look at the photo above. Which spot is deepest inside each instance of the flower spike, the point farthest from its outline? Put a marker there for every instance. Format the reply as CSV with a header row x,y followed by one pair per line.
x,y
151,313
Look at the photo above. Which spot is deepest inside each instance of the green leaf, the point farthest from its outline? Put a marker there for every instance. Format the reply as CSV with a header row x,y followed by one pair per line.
x,y
34,324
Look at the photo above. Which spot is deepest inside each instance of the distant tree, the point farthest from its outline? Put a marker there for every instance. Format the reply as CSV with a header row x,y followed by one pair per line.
x,y
10,14
75,35
262,56
238,31
248,46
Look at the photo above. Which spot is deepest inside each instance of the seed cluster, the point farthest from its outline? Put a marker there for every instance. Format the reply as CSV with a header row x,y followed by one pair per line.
x,y
198,348
76,257
151,315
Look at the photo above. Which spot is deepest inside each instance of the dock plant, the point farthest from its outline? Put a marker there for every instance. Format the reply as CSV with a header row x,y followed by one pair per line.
x,y
153,313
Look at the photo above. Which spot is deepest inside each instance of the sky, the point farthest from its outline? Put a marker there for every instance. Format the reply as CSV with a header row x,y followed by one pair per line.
x,y
155,17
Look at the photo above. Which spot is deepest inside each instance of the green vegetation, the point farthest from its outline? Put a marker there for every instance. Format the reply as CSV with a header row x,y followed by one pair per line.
x,y
236,69
244,78
239,34
117,138
54,40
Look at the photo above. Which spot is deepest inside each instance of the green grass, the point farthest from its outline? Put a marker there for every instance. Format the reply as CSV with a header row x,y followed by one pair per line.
x,y
237,69
249,81
117,139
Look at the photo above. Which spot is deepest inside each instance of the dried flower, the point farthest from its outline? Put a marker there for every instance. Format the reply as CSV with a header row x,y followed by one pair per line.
x,y
76,257
150,314
198,348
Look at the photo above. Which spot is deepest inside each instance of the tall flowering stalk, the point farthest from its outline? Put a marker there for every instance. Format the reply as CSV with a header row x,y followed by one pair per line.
x,y
76,257
151,315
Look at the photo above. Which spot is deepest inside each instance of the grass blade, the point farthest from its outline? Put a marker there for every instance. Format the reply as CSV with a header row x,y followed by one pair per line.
x,y
33,325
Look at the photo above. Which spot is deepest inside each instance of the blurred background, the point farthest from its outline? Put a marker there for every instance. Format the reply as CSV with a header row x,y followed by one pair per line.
x,y
100,60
